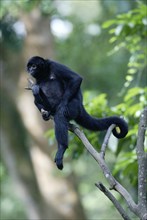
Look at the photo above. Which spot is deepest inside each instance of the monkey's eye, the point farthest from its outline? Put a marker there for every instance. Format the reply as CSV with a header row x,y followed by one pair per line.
x,y
34,66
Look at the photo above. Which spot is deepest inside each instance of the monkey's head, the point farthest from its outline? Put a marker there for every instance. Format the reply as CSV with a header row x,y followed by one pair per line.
x,y
36,67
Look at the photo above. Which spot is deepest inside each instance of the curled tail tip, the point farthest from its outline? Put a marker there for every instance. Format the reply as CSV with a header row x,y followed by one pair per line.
x,y
123,129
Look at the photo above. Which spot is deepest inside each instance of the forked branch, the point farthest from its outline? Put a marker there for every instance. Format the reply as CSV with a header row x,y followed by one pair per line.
x,y
140,208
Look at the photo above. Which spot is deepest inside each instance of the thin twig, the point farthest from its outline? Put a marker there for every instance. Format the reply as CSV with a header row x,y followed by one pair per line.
x,y
113,200
106,139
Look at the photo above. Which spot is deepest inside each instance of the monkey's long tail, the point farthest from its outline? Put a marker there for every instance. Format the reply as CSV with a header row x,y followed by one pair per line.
x,y
95,124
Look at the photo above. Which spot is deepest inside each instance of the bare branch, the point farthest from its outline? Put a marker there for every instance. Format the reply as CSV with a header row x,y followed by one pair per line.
x,y
113,200
95,155
106,139
112,181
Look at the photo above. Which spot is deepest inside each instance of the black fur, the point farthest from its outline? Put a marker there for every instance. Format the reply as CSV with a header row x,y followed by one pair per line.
x,y
57,93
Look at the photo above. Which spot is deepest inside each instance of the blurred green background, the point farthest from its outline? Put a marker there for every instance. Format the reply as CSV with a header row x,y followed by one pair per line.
x,y
105,41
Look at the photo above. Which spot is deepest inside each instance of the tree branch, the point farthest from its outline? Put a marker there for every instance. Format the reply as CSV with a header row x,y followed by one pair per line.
x,y
106,139
100,159
142,165
113,200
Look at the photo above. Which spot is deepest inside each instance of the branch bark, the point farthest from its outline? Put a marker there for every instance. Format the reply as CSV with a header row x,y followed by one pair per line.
x,y
142,166
106,139
140,208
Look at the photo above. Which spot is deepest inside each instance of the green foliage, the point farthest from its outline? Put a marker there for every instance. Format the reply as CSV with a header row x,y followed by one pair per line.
x,y
126,165
9,38
16,6
46,7
134,102
129,31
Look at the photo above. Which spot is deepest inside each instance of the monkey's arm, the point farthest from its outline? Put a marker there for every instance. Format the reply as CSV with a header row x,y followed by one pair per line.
x,y
39,103
38,100
71,80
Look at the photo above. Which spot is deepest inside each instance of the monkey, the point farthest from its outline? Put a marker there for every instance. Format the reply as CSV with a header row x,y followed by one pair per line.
x,y
57,94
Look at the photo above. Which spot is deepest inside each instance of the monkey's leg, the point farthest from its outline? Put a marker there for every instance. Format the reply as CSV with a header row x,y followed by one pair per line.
x,y
61,133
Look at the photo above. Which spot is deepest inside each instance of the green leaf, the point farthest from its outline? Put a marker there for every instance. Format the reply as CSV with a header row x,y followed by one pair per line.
x,y
133,92
129,78
113,39
108,23
134,108
124,160
132,71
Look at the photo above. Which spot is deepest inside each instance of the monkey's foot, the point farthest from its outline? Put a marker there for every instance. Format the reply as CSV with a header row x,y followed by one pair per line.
x,y
59,163
59,156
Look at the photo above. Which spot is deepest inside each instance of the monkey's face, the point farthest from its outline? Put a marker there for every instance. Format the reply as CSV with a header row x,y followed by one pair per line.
x,y
32,69
36,67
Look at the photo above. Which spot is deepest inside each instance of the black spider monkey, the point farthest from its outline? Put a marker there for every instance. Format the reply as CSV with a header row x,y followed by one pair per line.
x,y
57,93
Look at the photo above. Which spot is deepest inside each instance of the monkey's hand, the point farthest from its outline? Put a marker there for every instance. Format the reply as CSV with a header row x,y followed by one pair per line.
x,y
45,114
30,84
